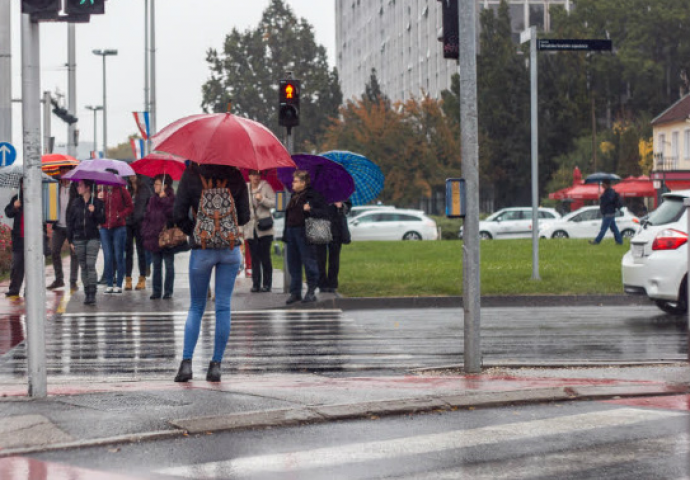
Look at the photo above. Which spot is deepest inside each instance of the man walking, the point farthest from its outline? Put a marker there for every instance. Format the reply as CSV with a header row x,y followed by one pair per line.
x,y
609,204
68,193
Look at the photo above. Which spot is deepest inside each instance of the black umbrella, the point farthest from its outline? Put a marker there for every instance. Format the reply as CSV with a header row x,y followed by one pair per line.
x,y
601,176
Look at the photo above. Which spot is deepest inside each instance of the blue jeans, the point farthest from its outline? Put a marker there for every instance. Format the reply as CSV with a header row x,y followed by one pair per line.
x,y
609,221
201,264
300,253
114,241
159,258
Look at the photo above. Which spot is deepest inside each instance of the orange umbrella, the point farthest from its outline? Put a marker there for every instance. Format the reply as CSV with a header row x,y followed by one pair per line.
x,y
51,164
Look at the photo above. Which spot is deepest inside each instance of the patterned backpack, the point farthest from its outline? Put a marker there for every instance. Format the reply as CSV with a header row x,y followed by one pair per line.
x,y
216,218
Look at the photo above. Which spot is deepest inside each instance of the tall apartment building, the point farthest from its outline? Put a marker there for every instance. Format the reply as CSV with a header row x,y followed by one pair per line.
x,y
399,38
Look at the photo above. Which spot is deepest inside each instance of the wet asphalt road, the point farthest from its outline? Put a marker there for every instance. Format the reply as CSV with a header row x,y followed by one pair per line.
x,y
148,345
574,440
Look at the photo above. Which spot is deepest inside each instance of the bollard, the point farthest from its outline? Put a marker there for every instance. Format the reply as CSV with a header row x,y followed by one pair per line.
x,y
686,203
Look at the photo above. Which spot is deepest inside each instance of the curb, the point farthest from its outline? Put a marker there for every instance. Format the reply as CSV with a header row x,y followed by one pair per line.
x,y
378,303
365,410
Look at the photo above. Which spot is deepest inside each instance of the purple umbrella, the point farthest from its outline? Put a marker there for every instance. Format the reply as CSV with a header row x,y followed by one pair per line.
x,y
328,178
102,171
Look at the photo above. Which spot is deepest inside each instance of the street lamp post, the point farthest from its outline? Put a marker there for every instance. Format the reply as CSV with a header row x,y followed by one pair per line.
x,y
95,110
105,53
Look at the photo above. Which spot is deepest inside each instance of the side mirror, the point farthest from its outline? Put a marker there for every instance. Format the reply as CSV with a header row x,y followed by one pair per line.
x,y
498,220
354,223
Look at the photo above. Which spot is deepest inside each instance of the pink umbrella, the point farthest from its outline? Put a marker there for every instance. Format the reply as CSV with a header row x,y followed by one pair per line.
x,y
157,163
223,139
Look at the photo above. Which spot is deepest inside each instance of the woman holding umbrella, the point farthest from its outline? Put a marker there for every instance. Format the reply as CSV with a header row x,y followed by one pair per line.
x,y
118,206
83,218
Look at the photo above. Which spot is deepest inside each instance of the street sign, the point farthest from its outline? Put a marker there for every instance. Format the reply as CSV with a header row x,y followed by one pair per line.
x,y
456,198
8,154
548,44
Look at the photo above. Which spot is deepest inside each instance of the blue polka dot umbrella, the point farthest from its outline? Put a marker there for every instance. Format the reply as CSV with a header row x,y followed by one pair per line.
x,y
369,179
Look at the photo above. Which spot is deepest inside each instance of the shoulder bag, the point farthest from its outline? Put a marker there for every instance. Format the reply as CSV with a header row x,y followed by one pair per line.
x,y
262,224
318,231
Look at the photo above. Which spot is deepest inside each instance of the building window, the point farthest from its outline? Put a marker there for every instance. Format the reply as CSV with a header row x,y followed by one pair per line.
x,y
687,144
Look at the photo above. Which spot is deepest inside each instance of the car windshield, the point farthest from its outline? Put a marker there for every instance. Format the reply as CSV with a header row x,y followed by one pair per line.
x,y
668,212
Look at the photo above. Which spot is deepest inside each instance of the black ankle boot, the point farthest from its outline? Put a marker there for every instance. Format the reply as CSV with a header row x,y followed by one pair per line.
x,y
213,374
184,374
90,295
293,298
310,296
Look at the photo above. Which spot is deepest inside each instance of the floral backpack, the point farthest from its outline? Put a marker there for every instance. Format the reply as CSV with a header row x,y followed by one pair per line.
x,y
216,217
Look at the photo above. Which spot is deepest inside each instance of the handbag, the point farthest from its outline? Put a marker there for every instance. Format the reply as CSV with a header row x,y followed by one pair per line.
x,y
318,230
264,224
171,237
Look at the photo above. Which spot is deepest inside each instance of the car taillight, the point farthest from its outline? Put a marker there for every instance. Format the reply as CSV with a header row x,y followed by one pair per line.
x,y
636,220
669,240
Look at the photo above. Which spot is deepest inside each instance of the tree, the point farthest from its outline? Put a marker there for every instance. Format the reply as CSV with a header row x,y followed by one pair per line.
x,y
372,90
122,151
251,63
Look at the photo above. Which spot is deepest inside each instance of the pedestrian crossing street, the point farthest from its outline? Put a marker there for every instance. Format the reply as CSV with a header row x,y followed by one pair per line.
x,y
582,441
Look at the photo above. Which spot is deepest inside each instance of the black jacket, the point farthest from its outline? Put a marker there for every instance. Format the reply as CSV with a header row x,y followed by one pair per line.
x,y
16,215
295,214
141,201
609,202
338,217
189,193
83,224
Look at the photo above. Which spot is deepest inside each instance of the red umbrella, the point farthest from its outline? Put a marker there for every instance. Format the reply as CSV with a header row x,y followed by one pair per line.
x,y
635,187
50,164
271,176
589,191
157,163
223,139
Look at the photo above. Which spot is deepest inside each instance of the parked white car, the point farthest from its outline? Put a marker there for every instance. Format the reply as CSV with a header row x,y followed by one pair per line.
x,y
586,223
393,224
357,211
656,264
515,222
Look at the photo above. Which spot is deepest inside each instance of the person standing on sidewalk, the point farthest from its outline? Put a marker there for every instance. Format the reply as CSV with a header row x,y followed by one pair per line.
x,y
68,193
83,218
305,202
609,204
159,216
141,193
118,206
258,237
219,185
328,275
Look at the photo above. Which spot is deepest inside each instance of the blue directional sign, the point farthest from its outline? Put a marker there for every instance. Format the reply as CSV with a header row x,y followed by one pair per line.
x,y
8,154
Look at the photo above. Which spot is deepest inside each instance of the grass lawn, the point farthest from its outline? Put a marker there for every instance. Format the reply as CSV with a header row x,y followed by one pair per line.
x,y
379,269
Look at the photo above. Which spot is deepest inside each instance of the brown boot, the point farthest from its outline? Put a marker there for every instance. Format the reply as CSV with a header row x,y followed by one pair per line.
x,y
128,283
141,284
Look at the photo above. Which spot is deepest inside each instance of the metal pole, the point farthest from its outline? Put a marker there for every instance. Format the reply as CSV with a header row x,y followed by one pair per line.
x,y
71,88
95,131
146,65
152,113
535,152
286,273
5,71
686,202
47,111
105,114
470,170
34,289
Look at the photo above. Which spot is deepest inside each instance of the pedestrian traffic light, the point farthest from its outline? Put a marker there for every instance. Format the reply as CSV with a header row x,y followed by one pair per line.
x,y
450,37
84,7
289,92
42,9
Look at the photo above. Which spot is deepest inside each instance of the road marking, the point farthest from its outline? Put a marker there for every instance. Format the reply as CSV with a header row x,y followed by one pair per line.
x,y
330,457
20,468
185,312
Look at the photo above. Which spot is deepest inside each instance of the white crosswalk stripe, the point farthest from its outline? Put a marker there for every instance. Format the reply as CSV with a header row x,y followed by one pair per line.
x,y
331,457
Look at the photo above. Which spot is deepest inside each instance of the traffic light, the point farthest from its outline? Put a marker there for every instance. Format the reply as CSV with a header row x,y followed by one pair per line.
x,y
42,9
451,35
289,92
84,7
64,115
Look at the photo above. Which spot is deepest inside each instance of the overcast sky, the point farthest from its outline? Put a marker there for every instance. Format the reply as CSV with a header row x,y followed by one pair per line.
x,y
185,29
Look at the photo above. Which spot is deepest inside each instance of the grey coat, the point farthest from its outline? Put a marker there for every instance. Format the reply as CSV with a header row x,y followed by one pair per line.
x,y
260,209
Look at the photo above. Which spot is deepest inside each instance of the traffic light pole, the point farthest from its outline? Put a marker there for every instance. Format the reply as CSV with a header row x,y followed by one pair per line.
x,y
71,89
47,111
5,71
286,273
469,132
34,292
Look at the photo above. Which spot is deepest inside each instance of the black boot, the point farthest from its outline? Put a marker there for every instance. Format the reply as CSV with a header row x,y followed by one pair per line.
x,y
310,296
294,297
213,374
184,374
90,295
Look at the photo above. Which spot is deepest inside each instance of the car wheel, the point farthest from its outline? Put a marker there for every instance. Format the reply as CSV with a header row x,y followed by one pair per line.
x,y
485,236
412,236
628,233
673,308
559,234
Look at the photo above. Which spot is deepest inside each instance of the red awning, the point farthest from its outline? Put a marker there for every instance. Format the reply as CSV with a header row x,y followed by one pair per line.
x,y
589,191
634,187
678,184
